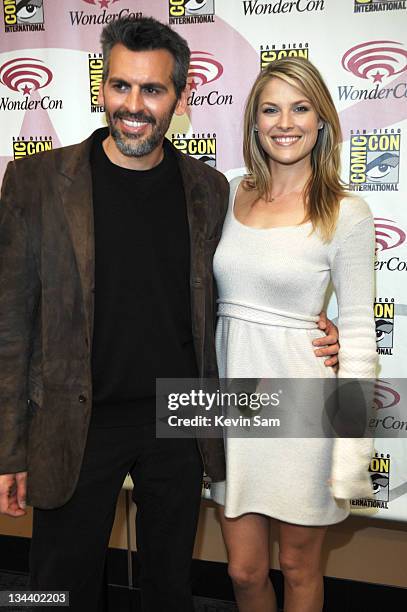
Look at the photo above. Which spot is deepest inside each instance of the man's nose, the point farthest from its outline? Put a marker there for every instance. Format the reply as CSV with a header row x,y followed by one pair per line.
x,y
134,100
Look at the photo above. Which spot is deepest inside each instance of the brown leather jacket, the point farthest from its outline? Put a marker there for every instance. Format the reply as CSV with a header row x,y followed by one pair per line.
x,y
46,312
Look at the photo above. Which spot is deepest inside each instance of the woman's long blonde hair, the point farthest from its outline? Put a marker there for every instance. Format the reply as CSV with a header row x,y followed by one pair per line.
x,y
325,189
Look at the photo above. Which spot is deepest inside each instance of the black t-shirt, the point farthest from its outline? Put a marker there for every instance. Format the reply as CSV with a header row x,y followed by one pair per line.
x,y
142,324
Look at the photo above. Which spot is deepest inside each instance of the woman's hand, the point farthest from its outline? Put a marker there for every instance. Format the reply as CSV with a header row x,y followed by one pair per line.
x,y
330,342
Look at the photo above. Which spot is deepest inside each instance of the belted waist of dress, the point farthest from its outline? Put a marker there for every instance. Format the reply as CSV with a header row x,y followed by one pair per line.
x,y
265,316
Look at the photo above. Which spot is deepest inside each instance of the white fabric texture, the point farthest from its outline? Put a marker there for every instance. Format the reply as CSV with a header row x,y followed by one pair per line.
x,y
272,285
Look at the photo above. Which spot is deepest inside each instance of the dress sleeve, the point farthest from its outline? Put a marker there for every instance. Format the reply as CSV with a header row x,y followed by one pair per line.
x,y
352,274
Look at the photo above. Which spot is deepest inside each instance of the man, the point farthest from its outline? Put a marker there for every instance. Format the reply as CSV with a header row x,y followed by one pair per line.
x,y
106,284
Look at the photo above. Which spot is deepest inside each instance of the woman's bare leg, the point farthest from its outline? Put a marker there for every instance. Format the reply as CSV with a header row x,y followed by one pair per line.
x,y
247,543
300,562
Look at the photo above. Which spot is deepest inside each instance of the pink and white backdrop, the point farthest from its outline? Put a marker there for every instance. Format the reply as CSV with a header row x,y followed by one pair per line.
x,y
50,70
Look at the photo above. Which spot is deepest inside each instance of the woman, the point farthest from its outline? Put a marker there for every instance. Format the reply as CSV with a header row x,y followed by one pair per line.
x,y
290,228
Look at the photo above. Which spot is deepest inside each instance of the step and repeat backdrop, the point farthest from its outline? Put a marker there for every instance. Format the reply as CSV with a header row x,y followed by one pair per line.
x,y
51,69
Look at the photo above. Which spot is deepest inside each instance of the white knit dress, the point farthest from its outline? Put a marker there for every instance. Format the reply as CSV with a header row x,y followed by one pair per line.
x,y
272,285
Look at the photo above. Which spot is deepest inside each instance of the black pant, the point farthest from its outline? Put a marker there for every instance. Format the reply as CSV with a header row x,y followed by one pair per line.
x,y
69,544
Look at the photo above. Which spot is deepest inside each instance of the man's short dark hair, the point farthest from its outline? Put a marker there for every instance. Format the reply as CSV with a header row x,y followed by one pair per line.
x,y
147,34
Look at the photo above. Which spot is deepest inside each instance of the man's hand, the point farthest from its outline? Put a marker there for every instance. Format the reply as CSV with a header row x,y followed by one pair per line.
x,y
13,489
329,342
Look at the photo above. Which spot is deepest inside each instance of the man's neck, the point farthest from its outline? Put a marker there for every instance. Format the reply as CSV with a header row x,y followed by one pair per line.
x,y
145,162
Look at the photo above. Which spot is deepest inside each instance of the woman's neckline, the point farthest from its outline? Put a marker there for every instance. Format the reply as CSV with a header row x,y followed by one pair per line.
x,y
261,229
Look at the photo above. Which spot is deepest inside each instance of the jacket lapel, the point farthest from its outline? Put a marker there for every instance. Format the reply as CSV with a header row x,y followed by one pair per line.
x,y
195,197
75,188
196,204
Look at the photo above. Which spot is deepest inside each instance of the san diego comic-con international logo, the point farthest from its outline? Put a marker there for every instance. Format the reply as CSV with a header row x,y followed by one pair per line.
x,y
95,68
271,53
191,11
384,320
23,15
374,159
367,6
204,69
255,7
199,146
25,75
23,147
380,474
375,61
388,236
101,12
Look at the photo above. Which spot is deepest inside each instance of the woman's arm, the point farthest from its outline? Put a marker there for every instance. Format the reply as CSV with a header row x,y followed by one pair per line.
x,y
352,273
353,279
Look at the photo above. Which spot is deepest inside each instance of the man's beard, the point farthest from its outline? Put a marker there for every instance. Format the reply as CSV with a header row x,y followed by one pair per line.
x,y
133,145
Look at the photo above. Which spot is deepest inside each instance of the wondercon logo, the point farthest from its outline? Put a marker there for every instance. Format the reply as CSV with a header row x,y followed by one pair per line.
x,y
376,60
101,17
387,236
384,395
102,3
25,75
203,69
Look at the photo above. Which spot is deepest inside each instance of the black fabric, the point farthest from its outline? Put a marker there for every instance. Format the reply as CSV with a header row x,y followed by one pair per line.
x,y
69,543
142,325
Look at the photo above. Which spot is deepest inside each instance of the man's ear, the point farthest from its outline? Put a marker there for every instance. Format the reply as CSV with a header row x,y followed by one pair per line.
x,y
101,97
181,106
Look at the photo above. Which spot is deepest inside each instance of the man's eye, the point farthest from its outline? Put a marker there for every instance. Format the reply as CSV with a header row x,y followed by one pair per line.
x,y
151,90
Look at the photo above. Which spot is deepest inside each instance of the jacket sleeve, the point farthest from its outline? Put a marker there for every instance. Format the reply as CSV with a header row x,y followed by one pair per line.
x,y
19,291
